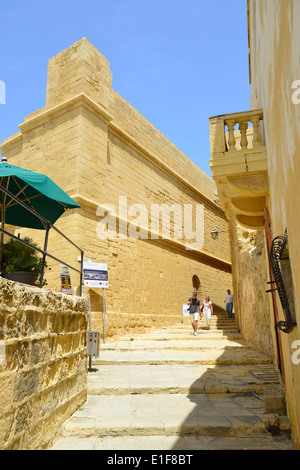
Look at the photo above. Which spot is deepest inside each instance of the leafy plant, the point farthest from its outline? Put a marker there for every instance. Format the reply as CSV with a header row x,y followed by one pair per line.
x,y
19,257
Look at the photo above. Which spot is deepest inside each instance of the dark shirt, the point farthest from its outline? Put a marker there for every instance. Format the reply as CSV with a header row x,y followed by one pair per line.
x,y
194,304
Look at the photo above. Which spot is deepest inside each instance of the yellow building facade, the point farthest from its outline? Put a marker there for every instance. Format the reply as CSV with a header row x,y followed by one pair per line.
x,y
147,211
255,164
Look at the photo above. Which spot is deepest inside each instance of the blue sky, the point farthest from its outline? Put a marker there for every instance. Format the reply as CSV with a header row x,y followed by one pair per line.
x,y
177,62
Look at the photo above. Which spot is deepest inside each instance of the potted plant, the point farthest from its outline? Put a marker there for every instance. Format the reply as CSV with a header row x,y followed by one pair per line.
x,y
20,262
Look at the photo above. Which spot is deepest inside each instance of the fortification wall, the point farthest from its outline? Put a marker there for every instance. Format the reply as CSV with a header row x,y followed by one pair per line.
x,y
101,151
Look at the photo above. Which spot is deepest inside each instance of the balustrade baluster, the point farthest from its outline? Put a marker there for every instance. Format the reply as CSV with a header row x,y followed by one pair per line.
x,y
256,133
231,139
243,126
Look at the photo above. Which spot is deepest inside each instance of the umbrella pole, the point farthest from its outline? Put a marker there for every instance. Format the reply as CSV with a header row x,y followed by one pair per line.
x,y
3,209
2,234
44,255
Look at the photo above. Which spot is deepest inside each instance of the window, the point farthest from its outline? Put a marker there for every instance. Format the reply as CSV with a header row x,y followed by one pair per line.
x,y
196,284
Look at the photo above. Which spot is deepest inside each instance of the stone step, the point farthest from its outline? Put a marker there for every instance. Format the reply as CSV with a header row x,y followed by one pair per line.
x,y
194,343
182,333
180,415
188,328
213,327
161,443
201,324
213,320
202,321
180,336
166,356
157,379
167,389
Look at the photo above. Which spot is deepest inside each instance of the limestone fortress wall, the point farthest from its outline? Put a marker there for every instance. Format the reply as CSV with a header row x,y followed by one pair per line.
x,y
127,177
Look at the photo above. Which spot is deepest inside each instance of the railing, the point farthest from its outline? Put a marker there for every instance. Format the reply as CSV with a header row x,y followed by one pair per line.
x,y
44,252
247,137
276,255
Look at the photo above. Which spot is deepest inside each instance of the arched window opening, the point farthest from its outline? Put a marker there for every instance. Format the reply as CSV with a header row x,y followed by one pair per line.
x,y
196,284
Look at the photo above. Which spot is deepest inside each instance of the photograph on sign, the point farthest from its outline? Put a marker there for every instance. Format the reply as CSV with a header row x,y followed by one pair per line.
x,y
95,275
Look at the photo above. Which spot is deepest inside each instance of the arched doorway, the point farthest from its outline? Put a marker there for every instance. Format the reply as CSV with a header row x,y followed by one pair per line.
x,y
197,284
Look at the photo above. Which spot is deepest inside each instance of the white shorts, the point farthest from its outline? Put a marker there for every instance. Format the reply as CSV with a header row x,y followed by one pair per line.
x,y
194,317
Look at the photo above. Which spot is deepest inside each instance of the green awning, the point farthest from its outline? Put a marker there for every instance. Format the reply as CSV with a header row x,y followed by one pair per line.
x,y
36,191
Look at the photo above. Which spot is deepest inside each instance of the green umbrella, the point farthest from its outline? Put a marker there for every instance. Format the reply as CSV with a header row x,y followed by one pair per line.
x,y
36,191
32,200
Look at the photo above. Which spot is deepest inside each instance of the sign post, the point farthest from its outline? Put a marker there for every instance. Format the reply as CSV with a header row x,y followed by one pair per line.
x,y
95,275
104,317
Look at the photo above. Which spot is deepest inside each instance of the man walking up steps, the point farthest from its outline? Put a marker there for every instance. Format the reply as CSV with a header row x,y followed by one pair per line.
x,y
229,303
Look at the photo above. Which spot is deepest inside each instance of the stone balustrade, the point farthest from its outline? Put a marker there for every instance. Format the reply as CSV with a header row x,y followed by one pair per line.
x,y
239,165
236,131
245,137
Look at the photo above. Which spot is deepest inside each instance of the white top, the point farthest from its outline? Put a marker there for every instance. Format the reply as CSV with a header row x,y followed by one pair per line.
x,y
207,305
228,298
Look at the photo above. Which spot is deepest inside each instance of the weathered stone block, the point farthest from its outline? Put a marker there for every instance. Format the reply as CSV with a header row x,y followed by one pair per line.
x,y
23,418
14,325
26,384
6,428
274,399
72,322
64,344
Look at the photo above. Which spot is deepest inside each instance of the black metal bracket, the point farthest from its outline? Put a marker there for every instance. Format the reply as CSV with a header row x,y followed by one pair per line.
x,y
275,256
271,290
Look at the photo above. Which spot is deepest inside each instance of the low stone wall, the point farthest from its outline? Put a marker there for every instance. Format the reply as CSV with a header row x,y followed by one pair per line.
x,y
43,363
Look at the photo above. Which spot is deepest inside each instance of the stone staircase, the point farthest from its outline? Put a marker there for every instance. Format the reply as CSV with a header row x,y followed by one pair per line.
x,y
168,389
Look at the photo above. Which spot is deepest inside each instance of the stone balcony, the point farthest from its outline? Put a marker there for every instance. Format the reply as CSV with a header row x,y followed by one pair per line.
x,y
239,165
